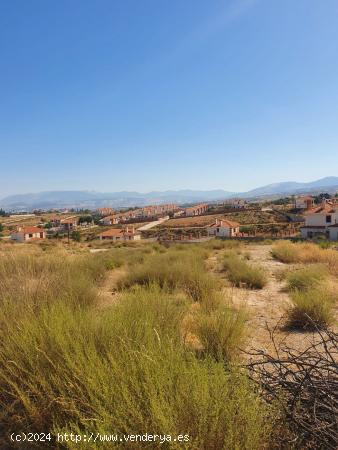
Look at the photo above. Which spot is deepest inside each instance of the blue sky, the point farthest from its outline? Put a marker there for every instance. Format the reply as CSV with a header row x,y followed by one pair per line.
x,y
146,95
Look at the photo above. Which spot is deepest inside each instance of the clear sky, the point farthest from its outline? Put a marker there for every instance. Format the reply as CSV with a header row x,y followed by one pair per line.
x,y
143,95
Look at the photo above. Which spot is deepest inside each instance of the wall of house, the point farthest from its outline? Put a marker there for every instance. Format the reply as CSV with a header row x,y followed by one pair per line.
x,y
308,233
19,237
34,236
211,231
223,231
315,220
22,237
333,234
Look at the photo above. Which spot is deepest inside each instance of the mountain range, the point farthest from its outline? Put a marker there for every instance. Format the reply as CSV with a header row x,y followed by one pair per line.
x,y
89,199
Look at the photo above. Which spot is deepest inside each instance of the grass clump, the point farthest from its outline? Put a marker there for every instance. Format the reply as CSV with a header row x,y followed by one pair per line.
x,y
312,296
221,332
36,278
311,308
306,277
306,253
241,272
177,269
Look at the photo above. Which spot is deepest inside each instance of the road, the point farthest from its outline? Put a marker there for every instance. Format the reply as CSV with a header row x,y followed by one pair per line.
x,y
153,224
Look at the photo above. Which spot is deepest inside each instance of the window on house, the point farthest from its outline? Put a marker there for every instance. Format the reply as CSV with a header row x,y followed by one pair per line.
x,y
328,219
217,230
30,235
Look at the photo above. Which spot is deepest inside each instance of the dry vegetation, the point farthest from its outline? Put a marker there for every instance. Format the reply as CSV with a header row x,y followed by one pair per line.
x,y
313,287
165,357
246,217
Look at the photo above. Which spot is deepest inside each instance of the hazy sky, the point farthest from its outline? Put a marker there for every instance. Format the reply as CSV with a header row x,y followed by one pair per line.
x,y
113,95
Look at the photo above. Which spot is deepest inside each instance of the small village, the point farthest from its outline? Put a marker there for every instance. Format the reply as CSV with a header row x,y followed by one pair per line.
x,y
297,217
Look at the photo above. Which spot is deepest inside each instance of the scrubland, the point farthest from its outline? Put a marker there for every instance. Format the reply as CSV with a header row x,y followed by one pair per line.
x,y
165,358
312,283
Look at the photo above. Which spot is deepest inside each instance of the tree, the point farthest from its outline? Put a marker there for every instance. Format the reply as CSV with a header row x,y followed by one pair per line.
x,y
76,236
85,219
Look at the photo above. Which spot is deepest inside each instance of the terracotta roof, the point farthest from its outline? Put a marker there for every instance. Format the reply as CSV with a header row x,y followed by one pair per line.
x,y
117,232
68,221
226,224
30,230
328,208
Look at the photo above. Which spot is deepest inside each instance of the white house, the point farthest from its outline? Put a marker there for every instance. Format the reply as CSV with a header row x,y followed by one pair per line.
x,y
110,220
333,232
120,234
320,221
223,228
304,202
24,234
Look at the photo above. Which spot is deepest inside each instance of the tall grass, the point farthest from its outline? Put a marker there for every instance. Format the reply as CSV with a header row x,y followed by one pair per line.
x,y
178,269
307,277
312,297
312,308
221,332
124,369
303,253
241,272
33,279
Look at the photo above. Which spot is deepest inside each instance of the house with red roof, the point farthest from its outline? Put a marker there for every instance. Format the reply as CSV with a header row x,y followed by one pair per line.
x,y
223,228
24,234
321,220
120,234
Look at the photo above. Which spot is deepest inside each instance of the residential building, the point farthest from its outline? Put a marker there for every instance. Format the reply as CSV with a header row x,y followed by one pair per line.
x,y
196,210
24,234
105,211
223,228
304,202
68,225
120,234
320,220
237,203
110,220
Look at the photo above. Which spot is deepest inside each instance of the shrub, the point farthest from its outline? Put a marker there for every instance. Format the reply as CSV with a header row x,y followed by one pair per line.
x,y
220,244
306,277
176,269
241,272
126,371
288,252
35,278
312,308
221,332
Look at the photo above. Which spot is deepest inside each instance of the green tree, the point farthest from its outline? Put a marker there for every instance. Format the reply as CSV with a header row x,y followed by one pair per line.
x,y
76,236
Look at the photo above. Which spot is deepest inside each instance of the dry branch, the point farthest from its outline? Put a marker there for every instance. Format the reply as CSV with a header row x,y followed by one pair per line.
x,y
305,384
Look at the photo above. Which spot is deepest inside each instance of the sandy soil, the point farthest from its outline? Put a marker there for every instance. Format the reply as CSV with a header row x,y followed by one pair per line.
x,y
267,307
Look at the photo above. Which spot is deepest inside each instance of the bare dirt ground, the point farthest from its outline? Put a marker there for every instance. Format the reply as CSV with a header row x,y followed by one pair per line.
x,y
267,306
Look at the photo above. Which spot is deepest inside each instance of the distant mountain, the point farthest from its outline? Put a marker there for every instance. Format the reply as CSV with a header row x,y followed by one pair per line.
x,y
293,187
90,199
